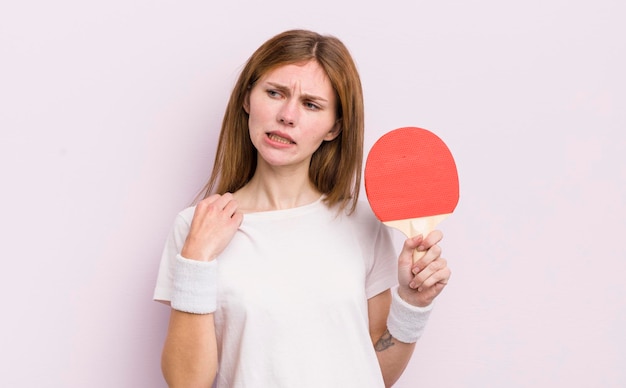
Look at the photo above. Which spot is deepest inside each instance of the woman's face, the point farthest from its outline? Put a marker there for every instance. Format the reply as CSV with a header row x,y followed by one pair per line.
x,y
292,110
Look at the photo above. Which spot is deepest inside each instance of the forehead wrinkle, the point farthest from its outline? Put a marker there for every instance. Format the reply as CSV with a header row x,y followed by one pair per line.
x,y
297,85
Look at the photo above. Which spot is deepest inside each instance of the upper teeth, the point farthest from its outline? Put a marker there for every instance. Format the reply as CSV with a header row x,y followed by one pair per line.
x,y
279,139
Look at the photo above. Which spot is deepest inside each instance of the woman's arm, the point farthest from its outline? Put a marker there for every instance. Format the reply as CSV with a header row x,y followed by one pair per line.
x,y
418,285
189,356
393,355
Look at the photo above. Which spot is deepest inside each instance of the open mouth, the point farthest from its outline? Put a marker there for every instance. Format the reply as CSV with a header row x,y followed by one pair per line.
x,y
279,139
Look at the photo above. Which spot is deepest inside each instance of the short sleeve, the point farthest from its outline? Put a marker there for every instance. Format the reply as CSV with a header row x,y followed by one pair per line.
x,y
173,246
379,253
383,271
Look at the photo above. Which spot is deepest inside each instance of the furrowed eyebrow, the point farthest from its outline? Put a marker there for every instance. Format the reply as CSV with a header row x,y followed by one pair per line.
x,y
284,89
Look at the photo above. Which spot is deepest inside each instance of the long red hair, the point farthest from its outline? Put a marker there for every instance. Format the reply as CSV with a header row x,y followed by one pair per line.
x,y
335,167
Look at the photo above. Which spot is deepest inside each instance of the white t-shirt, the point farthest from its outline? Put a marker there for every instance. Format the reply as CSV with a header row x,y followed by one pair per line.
x,y
292,296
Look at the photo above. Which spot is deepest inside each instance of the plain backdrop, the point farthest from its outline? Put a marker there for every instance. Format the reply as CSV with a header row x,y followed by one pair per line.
x,y
109,114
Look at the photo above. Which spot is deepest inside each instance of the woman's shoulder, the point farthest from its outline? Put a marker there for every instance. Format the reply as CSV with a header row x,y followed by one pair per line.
x,y
372,234
185,215
363,217
363,210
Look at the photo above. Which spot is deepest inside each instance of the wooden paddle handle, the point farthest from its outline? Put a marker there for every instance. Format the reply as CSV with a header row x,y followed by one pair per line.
x,y
417,255
415,226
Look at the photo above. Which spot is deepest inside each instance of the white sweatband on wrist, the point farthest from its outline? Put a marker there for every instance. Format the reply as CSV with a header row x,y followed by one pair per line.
x,y
406,322
194,286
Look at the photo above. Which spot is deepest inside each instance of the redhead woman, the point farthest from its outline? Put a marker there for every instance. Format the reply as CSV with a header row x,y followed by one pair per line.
x,y
280,276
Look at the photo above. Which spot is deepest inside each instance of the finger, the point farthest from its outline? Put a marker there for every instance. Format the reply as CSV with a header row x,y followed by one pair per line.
x,y
221,203
429,294
237,218
212,198
213,204
410,244
433,253
431,239
421,277
440,277
206,205
231,208
406,255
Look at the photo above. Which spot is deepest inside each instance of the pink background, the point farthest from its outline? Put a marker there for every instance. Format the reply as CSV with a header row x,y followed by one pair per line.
x,y
109,113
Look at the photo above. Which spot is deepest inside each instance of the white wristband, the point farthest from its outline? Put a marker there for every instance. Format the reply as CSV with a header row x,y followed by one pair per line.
x,y
194,286
406,322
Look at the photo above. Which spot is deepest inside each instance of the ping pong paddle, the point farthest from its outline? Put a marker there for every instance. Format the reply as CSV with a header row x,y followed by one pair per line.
x,y
411,181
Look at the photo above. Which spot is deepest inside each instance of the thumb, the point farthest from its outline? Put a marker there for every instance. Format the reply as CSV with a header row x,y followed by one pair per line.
x,y
406,256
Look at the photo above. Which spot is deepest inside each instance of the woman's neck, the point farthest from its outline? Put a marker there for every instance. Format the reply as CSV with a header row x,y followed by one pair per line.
x,y
276,189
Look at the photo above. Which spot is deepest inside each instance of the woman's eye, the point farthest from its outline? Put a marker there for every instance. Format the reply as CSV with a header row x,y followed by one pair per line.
x,y
311,106
273,93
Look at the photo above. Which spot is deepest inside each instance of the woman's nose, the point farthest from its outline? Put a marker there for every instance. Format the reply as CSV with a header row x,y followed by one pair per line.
x,y
287,114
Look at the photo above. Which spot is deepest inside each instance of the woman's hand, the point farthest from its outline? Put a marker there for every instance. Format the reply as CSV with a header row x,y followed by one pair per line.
x,y
213,226
422,281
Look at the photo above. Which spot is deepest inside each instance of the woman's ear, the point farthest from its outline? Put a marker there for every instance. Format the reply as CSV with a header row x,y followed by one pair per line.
x,y
246,101
334,131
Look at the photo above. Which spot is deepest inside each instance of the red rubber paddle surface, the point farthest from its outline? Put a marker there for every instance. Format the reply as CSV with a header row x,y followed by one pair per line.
x,y
410,173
